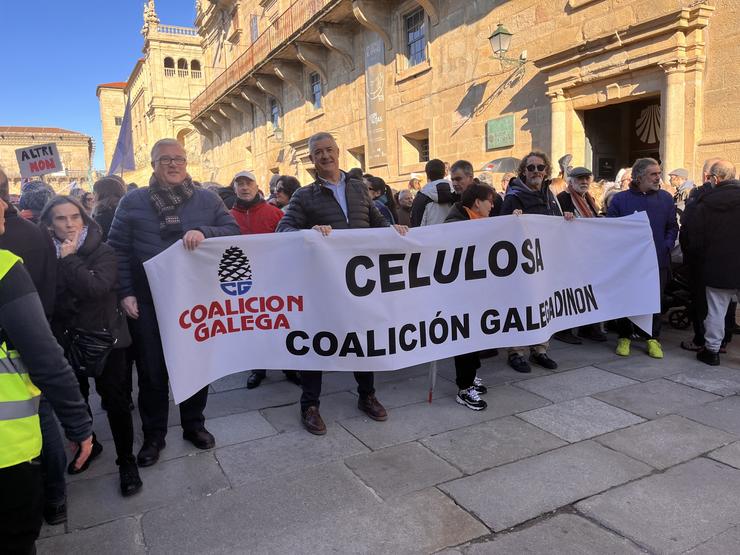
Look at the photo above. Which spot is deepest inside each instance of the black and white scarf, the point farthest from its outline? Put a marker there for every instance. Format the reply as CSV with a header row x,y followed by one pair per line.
x,y
166,201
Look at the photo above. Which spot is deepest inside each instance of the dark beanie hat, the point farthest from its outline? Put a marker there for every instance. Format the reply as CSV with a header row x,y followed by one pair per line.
x,y
34,196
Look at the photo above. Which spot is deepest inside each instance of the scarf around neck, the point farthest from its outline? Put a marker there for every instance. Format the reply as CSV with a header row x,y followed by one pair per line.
x,y
166,202
583,204
80,241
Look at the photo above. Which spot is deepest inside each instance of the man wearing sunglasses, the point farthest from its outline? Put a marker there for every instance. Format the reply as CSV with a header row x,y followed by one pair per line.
x,y
147,221
529,193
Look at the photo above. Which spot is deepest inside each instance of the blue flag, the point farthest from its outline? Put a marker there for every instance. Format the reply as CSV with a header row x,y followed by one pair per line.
x,y
123,156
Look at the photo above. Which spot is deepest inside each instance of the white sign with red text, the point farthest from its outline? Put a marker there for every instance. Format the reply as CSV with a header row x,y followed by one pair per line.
x,y
372,300
38,160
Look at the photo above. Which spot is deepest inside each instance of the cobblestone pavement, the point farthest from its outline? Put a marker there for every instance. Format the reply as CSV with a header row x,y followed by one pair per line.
x,y
605,455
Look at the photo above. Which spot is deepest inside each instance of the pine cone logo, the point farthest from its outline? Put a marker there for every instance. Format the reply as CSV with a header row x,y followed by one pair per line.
x,y
235,272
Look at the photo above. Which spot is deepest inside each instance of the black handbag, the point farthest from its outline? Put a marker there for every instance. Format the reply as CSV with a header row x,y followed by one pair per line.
x,y
88,351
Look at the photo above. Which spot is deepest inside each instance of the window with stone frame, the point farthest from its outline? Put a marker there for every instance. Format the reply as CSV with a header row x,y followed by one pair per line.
x,y
119,120
274,113
315,90
414,26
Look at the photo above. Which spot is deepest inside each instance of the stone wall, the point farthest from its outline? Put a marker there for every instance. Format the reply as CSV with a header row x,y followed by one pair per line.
x,y
463,85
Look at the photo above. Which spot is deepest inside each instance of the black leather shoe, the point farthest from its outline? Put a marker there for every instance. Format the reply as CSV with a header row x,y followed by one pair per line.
x,y
255,379
149,452
708,357
543,360
97,448
55,514
292,376
129,475
518,363
202,438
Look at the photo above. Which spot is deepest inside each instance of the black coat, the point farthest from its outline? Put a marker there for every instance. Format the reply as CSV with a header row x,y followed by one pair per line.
x,y
86,287
457,214
34,246
520,197
104,213
567,204
710,236
315,205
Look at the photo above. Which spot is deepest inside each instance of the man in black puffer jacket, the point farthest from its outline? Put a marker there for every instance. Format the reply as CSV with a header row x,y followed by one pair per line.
x,y
710,239
529,193
333,201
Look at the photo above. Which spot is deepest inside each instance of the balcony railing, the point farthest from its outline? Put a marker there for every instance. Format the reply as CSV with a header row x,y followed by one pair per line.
x,y
176,30
169,71
182,72
273,37
196,73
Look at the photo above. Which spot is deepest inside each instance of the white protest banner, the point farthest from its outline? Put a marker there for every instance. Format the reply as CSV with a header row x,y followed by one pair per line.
x,y
38,160
369,299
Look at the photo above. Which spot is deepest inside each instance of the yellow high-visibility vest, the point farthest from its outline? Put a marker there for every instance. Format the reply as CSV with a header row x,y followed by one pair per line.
x,y
20,431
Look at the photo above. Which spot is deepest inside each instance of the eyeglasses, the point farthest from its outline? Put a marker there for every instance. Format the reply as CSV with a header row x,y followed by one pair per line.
x,y
538,167
458,178
167,160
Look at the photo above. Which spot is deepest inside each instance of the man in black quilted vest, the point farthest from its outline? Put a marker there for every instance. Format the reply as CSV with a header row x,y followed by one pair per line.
x,y
333,201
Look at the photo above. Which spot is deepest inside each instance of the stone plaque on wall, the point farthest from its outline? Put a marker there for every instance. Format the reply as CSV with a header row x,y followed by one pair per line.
x,y
375,99
500,132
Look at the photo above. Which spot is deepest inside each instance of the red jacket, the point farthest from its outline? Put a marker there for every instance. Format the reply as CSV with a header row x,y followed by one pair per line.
x,y
260,218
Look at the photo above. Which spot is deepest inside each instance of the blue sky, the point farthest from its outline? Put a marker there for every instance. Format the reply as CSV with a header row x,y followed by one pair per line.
x,y
55,53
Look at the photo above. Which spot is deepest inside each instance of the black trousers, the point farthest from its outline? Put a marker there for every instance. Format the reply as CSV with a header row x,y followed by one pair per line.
x,y
53,457
311,385
20,508
625,328
112,387
466,367
154,395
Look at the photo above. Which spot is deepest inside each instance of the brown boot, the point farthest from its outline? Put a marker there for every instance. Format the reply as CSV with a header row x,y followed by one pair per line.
x,y
372,407
312,421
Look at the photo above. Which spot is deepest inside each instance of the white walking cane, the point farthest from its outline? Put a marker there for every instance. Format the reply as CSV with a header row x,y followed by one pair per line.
x,y
432,379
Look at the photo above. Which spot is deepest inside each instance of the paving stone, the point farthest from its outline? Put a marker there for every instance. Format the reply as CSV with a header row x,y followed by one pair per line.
x,y
48,530
241,400
724,414
718,380
667,441
122,536
165,482
519,491
334,406
574,383
415,389
729,454
578,356
492,443
401,469
290,514
565,533
656,398
726,542
580,419
286,453
239,381
674,511
423,419
494,371
643,368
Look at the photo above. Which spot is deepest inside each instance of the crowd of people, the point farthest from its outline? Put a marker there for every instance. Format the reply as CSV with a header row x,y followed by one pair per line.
x,y
75,302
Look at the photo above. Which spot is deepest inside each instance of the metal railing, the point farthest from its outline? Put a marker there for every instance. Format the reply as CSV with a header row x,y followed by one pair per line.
x,y
169,71
196,73
182,72
273,37
177,30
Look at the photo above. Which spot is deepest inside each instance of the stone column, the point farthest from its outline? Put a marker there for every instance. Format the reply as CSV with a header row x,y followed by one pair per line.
x,y
673,115
558,133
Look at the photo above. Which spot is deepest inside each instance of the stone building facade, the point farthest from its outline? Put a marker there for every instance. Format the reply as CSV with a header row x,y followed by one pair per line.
x,y
159,89
399,81
75,150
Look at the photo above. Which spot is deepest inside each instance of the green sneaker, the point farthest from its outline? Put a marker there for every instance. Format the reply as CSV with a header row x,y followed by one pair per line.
x,y
623,347
654,348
